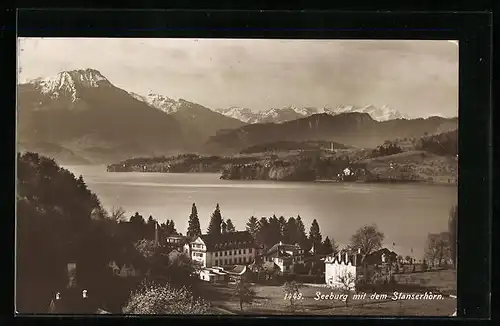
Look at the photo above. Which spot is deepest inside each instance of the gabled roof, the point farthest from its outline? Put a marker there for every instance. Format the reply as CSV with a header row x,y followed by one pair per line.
x,y
226,241
281,248
341,258
237,269
376,256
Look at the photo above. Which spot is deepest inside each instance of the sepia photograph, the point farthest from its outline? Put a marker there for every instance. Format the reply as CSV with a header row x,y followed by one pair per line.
x,y
176,176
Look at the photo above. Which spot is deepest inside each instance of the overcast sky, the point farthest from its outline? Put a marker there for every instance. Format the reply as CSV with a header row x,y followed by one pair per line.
x,y
419,78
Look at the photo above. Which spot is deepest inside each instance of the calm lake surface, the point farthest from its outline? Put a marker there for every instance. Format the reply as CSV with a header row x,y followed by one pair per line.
x,y
405,213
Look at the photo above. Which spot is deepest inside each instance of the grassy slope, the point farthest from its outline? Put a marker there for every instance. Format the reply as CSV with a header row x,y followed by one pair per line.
x,y
426,166
270,299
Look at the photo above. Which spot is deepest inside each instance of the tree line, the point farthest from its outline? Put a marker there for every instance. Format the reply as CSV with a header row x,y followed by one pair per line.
x,y
267,231
59,220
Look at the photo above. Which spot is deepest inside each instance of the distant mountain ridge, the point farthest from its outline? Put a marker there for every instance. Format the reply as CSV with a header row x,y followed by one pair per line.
x,y
356,129
289,113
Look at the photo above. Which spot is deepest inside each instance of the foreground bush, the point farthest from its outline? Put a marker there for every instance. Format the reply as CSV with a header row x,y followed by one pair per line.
x,y
154,299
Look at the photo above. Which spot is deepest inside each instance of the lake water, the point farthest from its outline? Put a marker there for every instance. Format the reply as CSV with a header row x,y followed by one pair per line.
x,y
405,213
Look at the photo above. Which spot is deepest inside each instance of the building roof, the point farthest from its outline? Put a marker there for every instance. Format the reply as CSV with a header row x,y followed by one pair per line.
x,y
175,236
237,269
281,249
376,256
342,258
231,240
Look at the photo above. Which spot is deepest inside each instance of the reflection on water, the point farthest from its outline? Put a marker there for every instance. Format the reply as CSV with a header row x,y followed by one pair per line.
x,y
406,213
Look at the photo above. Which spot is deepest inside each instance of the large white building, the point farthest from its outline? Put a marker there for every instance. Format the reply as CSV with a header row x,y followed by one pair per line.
x,y
233,248
343,266
342,270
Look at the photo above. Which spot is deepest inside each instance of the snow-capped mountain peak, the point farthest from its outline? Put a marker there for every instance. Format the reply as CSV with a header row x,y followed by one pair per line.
x,y
382,113
243,114
158,101
69,82
291,112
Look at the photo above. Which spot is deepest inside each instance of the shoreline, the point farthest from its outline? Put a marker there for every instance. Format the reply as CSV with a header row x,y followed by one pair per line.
x,y
424,182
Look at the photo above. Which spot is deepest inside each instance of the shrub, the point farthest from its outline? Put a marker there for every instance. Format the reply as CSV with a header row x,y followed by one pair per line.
x,y
166,300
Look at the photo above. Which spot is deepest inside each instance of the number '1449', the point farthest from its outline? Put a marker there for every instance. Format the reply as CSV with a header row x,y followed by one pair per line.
x,y
294,296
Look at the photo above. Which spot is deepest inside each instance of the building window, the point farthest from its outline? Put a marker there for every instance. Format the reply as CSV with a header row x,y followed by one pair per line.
x,y
250,250
235,252
216,254
239,260
216,262
239,251
230,260
225,253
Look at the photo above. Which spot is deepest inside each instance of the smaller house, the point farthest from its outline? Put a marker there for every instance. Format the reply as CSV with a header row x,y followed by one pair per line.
x,y
237,272
220,274
177,242
285,256
213,275
382,257
264,270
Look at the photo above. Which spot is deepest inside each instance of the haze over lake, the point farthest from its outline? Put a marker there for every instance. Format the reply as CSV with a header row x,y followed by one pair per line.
x,y
406,213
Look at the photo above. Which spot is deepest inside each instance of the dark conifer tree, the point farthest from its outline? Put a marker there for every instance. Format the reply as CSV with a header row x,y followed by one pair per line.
x,y
263,233
230,226
301,234
282,226
329,247
253,226
194,229
274,235
215,222
315,236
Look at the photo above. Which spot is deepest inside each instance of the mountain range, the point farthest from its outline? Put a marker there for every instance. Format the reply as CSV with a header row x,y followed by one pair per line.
x,y
79,117
354,128
289,113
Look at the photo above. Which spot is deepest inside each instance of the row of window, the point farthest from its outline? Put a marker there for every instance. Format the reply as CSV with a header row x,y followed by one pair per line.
x,y
234,252
218,245
239,260
197,254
